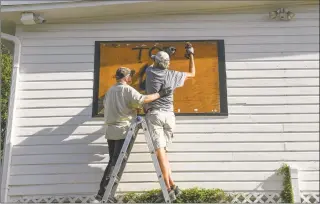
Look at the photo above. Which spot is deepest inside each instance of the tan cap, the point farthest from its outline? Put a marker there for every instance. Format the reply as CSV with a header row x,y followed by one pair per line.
x,y
161,56
123,72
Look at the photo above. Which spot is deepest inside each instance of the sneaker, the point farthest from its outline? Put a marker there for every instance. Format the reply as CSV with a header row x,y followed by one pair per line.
x,y
160,197
176,190
96,201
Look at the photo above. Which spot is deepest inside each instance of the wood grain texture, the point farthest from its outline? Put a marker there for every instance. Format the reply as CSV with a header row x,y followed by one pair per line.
x,y
200,94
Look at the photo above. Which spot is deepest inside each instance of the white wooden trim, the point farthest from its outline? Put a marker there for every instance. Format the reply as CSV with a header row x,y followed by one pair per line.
x,y
239,197
295,184
62,5
19,3
11,112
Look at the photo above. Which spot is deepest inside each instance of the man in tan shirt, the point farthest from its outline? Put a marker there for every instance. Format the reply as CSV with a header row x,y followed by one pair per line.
x,y
120,109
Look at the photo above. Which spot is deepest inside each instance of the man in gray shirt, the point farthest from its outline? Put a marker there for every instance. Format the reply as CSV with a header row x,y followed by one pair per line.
x,y
160,114
120,109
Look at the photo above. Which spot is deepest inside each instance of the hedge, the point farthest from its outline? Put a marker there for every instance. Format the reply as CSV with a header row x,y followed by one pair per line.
x,y
191,195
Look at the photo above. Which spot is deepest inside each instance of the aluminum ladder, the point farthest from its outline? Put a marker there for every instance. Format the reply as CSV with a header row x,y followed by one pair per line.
x,y
124,156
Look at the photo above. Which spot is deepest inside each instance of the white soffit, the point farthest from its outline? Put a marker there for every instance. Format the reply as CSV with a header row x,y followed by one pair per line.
x,y
15,3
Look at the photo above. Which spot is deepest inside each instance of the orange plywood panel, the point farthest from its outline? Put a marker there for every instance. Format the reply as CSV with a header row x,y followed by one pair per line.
x,y
198,95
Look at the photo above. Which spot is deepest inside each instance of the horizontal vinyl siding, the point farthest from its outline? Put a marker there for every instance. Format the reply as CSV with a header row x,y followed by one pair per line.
x,y
273,95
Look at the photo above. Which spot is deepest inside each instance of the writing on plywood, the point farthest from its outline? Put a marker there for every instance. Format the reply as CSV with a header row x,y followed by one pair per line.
x,y
198,95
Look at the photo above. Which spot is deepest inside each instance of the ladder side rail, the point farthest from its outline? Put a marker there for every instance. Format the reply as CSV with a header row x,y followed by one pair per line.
x,y
122,155
155,162
125,161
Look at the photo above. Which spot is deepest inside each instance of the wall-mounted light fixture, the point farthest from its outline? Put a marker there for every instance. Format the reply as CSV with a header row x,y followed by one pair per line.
x,y
281,14
30,18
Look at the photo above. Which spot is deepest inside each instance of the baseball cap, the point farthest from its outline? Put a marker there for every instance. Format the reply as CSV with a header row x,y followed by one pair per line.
x,y
123,72
161,56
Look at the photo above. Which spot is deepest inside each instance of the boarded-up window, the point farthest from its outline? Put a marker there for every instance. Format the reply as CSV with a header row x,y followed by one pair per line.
x,y
203,95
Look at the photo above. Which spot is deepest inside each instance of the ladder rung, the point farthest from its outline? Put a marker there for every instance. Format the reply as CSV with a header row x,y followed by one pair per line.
x,y
125,157
117,180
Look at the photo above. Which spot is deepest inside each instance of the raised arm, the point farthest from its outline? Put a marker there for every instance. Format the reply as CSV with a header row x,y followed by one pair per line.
x,y
192,67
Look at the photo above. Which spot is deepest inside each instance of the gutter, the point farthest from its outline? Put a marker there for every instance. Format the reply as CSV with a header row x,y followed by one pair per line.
x,y
11,112
66,5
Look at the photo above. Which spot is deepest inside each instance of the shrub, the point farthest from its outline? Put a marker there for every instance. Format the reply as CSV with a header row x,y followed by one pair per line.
x,y
6,68
287,192
191,195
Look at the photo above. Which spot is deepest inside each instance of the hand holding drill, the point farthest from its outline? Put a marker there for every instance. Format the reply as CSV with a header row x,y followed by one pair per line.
x,y
189,50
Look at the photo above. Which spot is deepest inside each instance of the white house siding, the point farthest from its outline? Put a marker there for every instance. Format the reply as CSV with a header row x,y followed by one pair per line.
x,y
273,90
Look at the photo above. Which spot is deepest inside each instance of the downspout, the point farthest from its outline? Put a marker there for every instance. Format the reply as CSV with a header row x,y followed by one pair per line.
x,y
11,112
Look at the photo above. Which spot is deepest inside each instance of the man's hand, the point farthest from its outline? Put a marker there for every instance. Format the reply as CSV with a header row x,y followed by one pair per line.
x,y
152,97
189,55
189,50
165,92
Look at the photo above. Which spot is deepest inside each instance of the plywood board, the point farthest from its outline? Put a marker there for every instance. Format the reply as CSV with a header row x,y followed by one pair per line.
x,y
198,95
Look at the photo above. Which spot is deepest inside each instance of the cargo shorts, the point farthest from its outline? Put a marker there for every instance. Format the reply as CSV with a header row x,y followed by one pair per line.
x,y
161,125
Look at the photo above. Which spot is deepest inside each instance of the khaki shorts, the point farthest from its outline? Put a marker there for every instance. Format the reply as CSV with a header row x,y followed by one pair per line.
x,y
161,126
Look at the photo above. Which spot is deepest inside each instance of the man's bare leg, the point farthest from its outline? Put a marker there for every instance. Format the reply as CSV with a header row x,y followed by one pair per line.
x,y
165,169
171,183
170,172
177,191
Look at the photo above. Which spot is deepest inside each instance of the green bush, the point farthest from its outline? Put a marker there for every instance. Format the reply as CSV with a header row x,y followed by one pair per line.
x,y
191,195
6,68
287,192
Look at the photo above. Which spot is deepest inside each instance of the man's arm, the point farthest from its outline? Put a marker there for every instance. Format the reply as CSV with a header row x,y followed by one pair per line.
x,y
136,99
192,67
151,97
163,92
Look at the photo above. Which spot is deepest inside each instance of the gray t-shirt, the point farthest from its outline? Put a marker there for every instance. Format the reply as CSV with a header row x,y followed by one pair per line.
x,y
155,78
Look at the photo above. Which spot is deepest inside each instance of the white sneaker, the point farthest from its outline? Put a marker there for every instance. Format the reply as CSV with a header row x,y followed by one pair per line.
x,y
95,201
